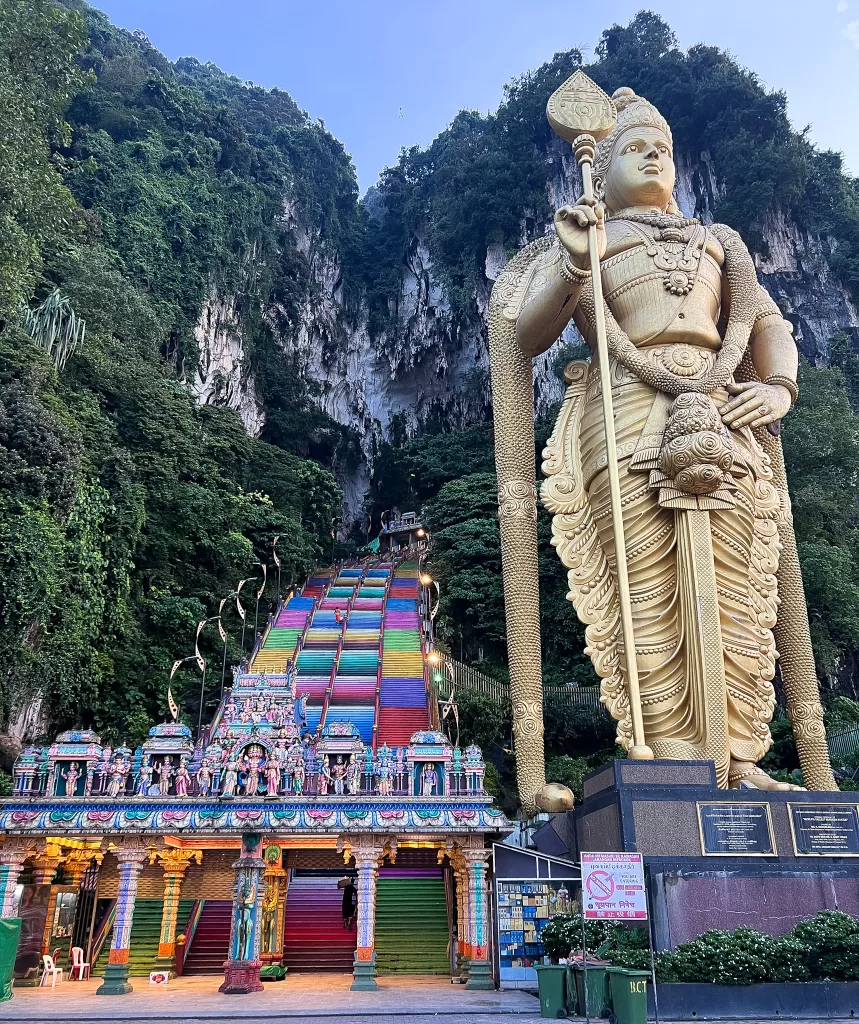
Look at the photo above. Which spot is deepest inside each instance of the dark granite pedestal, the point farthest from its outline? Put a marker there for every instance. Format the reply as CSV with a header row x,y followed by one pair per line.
x,y
717,858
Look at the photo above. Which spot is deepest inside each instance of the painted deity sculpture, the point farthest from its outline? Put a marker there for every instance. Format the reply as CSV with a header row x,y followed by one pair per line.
x,y
701,365
118,776
231,778
268,941
183,778
71,777
204,778
298,776
385,775
144,777
165,776
324,779
272,775
252,764
338,775
429,780
353,776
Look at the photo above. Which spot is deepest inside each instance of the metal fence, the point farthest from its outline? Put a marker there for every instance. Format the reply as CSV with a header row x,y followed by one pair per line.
x,y
467,678
842,745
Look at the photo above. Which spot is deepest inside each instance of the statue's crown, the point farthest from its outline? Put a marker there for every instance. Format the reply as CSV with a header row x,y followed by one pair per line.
x,y
632,112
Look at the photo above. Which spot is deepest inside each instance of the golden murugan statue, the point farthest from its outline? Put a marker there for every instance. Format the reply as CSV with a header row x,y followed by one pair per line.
x,y
702,367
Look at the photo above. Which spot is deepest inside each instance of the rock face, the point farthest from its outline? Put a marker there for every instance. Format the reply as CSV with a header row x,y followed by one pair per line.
x,y
223,375
435,367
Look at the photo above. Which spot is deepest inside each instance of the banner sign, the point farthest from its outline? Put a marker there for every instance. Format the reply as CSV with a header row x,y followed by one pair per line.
x,y
613,887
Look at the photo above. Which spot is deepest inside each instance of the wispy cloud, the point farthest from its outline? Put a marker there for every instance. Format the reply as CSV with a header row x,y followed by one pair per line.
x,y
851,32
841,6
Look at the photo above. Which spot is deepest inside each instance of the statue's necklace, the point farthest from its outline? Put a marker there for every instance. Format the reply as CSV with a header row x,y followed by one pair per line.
x,y
671,252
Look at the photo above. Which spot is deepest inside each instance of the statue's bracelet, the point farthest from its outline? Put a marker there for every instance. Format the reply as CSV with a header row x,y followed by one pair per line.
x,y
786,383
572,274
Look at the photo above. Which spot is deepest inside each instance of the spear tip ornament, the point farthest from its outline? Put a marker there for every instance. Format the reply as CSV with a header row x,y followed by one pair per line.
x,y
580,107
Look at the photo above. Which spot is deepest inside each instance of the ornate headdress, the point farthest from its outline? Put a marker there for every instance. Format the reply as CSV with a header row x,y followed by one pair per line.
x,y
632,112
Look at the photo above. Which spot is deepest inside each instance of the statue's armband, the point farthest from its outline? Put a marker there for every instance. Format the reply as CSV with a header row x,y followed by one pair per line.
x,y
517,285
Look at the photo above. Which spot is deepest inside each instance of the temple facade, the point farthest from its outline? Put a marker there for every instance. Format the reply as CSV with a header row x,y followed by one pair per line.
x,y
234,853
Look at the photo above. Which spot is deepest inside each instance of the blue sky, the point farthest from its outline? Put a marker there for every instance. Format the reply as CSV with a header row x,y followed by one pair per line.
x,y
384,74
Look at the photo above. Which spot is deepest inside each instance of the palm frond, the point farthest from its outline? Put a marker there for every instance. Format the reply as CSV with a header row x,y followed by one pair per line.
x,y
55,327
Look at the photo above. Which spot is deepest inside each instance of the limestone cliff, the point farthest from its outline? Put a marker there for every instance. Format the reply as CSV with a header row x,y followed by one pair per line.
x,y
431,365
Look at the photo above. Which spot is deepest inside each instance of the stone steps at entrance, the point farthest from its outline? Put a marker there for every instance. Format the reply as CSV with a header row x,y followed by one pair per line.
x,y
211,942
314,936
411,925
145,936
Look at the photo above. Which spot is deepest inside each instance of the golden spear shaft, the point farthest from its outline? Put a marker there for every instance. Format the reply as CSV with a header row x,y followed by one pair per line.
x,y
584,148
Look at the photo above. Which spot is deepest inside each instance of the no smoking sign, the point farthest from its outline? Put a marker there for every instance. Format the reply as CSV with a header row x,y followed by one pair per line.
x,y
613,887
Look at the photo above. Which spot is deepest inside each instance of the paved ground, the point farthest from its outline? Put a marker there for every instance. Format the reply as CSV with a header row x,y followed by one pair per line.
x,y
316,998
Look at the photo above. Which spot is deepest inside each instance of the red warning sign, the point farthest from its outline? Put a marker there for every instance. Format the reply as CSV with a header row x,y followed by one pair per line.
x,y
613,887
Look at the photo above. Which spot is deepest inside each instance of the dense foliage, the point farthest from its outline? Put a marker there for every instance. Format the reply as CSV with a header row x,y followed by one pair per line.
x,y
824,946
127,510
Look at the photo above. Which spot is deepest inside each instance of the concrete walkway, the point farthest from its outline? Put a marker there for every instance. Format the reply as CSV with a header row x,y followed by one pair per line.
x,y
316,998
299,997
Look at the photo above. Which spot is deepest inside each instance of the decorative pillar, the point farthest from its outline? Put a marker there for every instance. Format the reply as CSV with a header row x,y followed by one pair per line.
x,y
77,861
457,865
44,869
480,970
132,856
12,856
463,917
175,861
241,971
367,851
273,909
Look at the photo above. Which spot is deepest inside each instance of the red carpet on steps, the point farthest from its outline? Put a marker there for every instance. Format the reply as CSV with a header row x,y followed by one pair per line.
x,y
314,936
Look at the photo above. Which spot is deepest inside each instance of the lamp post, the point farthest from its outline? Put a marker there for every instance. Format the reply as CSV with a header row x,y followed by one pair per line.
x,y
277,563
428,581
241,609
223,633
201,662
260,592
449,705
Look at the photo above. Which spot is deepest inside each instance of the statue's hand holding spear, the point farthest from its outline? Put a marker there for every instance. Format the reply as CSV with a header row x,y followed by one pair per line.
x,y
572,224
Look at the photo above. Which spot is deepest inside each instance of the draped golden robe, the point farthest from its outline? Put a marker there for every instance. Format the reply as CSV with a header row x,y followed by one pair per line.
x,y
702,569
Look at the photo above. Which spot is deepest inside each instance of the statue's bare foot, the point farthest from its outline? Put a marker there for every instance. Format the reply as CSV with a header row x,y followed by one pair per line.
x,y
757,778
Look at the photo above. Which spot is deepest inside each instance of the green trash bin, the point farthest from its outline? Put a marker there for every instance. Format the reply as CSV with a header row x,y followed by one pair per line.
x,y
551,981
598,1001
628,994
10,933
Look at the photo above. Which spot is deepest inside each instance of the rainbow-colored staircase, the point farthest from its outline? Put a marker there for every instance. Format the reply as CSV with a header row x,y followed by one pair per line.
x,y
403,695
284,635
355,638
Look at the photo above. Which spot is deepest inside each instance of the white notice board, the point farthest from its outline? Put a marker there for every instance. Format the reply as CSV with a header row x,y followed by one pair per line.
x,y
613,887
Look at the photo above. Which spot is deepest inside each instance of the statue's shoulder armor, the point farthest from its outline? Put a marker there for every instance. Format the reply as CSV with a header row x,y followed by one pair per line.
x,y
526,274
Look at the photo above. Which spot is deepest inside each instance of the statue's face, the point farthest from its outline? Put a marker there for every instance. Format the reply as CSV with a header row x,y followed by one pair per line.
x,y
641,172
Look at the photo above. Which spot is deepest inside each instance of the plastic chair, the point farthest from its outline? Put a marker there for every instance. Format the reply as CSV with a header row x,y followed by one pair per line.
x,y
49,968
78,965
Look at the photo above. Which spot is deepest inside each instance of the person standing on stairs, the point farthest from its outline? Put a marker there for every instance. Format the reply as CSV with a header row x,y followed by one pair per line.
x,y
350,905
